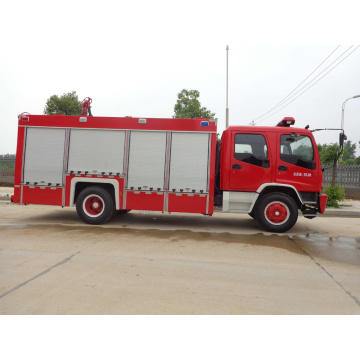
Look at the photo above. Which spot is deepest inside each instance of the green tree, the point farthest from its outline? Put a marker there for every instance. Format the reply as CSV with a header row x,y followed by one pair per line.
x,y
329,154
66,104
188,106
348,155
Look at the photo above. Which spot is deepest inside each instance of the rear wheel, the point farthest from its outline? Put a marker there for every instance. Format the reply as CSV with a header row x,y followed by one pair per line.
x,y
276,212
95,205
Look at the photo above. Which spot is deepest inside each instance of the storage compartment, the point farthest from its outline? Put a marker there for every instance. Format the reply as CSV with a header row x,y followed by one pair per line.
x,y
147,160
143,200
44,156
189,167
97,151
188,203
42,196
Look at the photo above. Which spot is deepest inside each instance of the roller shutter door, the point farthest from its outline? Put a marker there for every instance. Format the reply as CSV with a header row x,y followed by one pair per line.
x,y
147,160
44,156
96,151
189,162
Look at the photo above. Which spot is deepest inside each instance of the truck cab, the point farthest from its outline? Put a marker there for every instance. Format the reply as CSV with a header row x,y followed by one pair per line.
x,y
270,173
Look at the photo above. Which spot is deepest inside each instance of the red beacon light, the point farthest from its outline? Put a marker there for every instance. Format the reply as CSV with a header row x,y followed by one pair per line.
x,y
286,121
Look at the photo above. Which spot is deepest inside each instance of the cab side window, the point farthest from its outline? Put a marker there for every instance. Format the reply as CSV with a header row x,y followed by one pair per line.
x,y
251,149
297,150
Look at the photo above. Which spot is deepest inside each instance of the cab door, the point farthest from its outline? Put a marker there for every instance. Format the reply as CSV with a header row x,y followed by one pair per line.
x,y
295,162
250,164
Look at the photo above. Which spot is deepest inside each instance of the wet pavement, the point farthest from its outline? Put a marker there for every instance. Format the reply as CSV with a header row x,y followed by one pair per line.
x,y
152,263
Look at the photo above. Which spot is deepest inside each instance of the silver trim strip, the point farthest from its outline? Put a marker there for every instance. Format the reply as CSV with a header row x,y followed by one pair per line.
x,y
65,163
167,170
23,155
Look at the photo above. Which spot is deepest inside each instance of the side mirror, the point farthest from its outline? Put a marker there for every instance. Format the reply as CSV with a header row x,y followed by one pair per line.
x,y
342,138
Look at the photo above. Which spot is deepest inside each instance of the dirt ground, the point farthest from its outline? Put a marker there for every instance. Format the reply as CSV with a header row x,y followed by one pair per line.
x,y
150,263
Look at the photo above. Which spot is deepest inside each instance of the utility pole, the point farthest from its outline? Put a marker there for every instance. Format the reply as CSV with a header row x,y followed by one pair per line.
x,y
227,87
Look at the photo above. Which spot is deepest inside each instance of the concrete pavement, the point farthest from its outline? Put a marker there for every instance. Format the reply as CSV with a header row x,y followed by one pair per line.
x,y
152,263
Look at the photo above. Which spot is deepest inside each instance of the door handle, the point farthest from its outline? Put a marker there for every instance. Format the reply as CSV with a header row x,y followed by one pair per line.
x,y
236,166
282,168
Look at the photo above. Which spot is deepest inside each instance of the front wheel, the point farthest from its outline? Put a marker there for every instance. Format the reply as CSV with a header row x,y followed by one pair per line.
x,y
95,205
276,212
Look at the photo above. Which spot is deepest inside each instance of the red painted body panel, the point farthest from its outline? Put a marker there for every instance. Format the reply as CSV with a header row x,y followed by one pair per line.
x,y
187,203
42,196
19,156
68,189
249,177
17,195
302,179
142,200
16,198
123,123
225,155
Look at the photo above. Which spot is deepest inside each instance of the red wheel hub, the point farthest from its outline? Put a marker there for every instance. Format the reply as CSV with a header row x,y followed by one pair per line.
x,y
277,212
93,205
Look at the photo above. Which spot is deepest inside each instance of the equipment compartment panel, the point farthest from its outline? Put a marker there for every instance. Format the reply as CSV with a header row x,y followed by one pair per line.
x,y
97,151
44,156
147,160
188,203
138,200
42,196
189,167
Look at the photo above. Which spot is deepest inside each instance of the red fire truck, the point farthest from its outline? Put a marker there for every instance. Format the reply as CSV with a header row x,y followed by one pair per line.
x,y
107,164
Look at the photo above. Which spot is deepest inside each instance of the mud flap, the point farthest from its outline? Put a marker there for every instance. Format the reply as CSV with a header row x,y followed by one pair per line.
x,y
322,202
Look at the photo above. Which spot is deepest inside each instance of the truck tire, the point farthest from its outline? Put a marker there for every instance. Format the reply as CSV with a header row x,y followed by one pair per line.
x,y
276,212
95,205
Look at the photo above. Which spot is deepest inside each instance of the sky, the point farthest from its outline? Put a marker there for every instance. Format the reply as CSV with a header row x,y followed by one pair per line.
x,y
133,58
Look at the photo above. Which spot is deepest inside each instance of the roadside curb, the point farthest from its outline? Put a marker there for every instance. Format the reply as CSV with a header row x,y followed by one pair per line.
x,y
337,212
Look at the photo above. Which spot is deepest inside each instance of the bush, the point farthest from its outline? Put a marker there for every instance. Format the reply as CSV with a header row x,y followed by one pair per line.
x,y
335,194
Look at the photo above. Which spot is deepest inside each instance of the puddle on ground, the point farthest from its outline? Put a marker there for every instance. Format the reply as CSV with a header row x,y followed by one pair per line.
x,y
14,225
336,248
340,248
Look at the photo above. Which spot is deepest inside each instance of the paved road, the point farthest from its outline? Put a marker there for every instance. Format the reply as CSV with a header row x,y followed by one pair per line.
x,y
52,263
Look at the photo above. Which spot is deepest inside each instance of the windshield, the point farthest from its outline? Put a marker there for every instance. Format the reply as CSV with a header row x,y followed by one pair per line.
x,y
297,150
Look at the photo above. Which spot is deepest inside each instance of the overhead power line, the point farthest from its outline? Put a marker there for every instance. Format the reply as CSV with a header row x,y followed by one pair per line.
x,y
283,100
292,94
314,82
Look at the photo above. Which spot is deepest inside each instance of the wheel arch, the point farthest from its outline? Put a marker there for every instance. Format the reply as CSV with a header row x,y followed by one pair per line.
x,y
79,184
278,188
